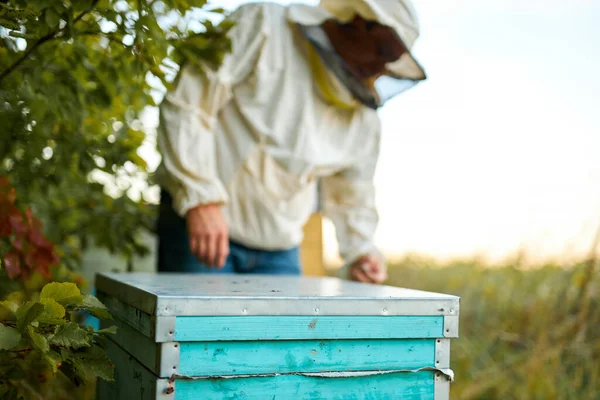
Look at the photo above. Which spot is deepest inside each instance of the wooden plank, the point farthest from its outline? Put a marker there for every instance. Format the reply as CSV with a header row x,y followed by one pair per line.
x,y
306,327
271,357
140,321
405,386
141,347
132,380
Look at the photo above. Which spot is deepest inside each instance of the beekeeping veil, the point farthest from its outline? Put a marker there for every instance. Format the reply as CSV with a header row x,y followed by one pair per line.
x,y
399,15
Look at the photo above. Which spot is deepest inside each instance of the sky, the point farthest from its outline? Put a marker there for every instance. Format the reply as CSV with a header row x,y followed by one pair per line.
x,y
497,153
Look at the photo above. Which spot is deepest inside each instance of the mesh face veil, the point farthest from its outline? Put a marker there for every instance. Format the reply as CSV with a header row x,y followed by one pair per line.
x,y
399,76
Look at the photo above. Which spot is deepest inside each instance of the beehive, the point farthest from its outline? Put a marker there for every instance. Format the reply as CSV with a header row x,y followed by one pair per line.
x,y
257,337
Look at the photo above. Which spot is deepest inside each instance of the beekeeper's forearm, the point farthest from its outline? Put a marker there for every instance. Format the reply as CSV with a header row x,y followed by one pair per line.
x,y
348,199
350,205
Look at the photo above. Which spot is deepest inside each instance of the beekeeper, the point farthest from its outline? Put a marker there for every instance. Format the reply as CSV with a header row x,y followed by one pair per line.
x,y
295,102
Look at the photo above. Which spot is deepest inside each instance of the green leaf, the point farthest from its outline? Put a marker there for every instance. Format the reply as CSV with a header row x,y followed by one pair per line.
x,y
8,392
93,362
71,335
10,305
66,354
22,35
95,307
18,13
9,337
52,18
218,10
54,359
38,341
38,4
9,24
53,313
69,370
14,372
65,293
110,330
100,340
28,314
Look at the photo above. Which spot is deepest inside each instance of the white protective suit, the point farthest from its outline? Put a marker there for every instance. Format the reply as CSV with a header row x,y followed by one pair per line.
x,y
256,134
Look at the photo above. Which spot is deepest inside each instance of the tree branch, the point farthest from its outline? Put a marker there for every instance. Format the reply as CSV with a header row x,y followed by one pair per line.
x,y
20,351
25,55
39,42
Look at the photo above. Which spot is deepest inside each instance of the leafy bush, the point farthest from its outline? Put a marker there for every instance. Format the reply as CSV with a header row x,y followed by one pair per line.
x,y
39,333
76,79
40,339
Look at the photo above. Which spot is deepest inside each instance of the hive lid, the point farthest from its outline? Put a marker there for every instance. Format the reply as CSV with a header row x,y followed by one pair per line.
x,y
168,294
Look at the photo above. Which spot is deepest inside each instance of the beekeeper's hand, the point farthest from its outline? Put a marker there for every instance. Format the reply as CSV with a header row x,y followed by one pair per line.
x,y
369,269
209,239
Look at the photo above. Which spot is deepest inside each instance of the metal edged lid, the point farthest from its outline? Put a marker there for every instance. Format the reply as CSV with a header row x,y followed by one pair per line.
x,y
169,294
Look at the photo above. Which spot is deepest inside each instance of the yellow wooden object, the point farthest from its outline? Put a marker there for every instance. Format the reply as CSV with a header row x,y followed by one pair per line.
x,y
311,250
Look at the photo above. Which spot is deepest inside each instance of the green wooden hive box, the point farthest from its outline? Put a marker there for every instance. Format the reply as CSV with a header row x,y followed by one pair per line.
x,y
184,337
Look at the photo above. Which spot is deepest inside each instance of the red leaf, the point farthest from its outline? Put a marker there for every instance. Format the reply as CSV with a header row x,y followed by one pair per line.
x,y
16,222
4,181
5,205
8,213
37,238
30,259
32,221
12,263
45,271
5,228
8,195
43,260
18,243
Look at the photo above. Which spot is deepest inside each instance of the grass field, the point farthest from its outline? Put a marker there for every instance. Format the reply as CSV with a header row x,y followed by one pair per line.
x,y
524,334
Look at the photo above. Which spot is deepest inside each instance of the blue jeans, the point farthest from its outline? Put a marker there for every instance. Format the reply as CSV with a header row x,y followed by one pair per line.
x,y
174,253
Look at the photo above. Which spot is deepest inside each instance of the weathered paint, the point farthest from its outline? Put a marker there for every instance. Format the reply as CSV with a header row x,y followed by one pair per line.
x,y
133,381
405,386
269,357
306,327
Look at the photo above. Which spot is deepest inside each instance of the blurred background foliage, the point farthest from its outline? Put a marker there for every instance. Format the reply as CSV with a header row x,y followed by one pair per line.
x,y
75,78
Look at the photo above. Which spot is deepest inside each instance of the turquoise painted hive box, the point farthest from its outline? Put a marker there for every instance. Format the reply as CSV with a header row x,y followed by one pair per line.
x,y
184,337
